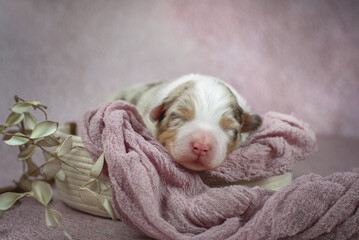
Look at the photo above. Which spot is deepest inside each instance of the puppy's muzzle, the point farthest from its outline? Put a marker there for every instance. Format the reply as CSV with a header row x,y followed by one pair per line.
x,y
200,149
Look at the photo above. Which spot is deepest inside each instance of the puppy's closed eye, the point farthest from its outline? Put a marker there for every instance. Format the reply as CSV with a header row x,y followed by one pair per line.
x,y
232,131
230,126
175,120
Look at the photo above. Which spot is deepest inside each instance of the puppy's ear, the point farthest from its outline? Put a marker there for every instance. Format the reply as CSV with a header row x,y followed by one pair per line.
x,y
157,113
251,122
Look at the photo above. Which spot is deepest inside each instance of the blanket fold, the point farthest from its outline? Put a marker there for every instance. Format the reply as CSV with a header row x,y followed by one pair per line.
x,y
166,201
271,150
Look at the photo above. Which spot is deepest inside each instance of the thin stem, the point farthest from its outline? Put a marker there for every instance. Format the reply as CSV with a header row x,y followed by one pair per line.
x,y
68,164
43,110
18,99
29,174
23,167
14,134
55,156
22,129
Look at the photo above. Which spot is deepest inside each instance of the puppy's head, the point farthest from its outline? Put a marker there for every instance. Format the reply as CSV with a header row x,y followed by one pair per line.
x,y
200,123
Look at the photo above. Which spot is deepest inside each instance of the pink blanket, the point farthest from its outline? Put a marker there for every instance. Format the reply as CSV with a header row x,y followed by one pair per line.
x,y
166,201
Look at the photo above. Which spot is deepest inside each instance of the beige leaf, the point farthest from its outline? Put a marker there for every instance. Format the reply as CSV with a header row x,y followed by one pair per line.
x,y
52,140
90,197
44,128
17,139
26,153
36,103
109,208
65,147
67,235
105,185
97,167
20,107
53,218
61,175
8,199
42,191
14,118
51,167
30,120
92,185
32,168
43,143
49,141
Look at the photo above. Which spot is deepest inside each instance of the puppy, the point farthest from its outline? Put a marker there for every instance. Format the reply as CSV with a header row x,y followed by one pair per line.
x,y
199,119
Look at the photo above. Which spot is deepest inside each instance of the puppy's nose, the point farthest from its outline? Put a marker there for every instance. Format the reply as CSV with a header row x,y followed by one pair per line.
x,y
200,149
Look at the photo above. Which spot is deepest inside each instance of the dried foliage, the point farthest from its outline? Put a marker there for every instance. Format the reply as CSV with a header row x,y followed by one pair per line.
x,y
90,192
24,131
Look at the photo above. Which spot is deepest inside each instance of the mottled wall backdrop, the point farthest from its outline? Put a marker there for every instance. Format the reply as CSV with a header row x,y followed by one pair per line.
x,y
298,57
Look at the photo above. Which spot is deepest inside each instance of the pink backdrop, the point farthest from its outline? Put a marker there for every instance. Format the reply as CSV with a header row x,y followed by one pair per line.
x,y
298,57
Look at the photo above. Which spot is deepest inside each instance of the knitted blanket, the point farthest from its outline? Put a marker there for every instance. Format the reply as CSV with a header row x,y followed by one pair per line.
x,y
160,198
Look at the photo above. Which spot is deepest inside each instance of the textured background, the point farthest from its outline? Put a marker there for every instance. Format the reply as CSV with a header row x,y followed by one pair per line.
x,y
298,57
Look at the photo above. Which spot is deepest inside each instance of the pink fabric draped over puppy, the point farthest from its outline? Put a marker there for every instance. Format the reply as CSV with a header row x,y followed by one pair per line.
x,y
271,150
166,201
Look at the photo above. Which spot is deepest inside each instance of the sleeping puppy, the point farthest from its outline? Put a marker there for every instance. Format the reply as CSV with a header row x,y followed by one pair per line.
x,y
199,119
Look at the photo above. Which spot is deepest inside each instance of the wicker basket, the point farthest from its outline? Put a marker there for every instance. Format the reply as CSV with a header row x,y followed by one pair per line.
x,y
69,190
80,158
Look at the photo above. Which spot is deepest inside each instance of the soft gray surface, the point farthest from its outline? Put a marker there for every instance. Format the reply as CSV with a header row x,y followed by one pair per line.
x,y
26,220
